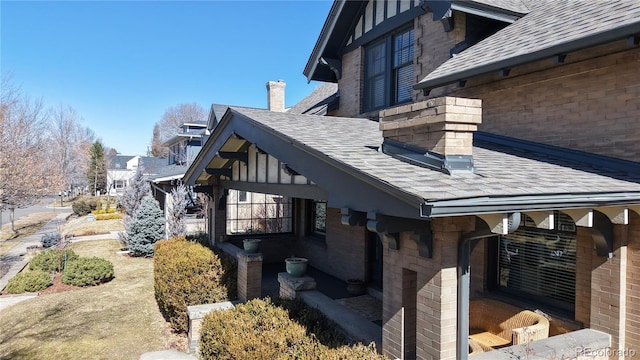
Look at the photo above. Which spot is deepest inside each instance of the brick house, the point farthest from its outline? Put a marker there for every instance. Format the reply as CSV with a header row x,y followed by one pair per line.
x,y
478,150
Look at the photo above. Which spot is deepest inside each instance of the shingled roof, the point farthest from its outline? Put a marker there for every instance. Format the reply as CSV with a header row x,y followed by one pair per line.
x,y
550,28
503,177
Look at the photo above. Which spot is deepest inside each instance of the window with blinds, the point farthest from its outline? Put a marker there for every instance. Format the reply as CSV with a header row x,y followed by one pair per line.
x,y
388,71
540,264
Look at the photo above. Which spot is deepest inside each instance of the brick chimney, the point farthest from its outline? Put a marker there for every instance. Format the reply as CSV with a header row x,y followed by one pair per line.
x,y
443,127
275,95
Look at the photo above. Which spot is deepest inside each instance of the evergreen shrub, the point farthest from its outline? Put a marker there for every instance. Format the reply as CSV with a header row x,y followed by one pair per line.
x,y
146,227
29,281
186,273
87,271
50,239
82,208
52,260
260,329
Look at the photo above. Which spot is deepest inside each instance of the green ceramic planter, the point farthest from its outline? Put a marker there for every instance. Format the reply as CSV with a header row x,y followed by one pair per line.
x,y
296,266
251,246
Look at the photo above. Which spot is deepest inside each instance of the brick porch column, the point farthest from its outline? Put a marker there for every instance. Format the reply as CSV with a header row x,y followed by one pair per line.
x,y
249,276
609,292
420,294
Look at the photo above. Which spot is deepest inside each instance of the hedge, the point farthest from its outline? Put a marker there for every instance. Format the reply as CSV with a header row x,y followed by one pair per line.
x,y
109,216
187,273
29,281
87,271
261,329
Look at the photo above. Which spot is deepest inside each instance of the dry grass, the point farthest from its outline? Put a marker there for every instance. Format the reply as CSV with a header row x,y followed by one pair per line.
x,y
117,320
81,227
26,225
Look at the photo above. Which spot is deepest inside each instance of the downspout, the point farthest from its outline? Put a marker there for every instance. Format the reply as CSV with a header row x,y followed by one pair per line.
x,y
465,246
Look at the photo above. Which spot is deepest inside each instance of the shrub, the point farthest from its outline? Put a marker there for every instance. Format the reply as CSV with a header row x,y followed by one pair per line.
x,y
50,239
87,271
255,330
146,228
108,216
82,207
186,273
52,260
29,281
201,238
262,329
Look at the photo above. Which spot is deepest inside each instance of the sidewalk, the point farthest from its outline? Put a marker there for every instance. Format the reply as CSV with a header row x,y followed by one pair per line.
x,y
15,258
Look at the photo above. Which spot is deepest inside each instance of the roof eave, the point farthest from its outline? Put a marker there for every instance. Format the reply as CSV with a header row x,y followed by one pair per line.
x,y
323,39
524,203
563,48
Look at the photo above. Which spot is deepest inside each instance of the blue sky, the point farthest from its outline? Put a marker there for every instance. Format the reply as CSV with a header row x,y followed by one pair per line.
x,y
121,64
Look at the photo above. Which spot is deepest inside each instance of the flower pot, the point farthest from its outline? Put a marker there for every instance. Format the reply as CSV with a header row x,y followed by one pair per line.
x,y
296,266
355,287
251,245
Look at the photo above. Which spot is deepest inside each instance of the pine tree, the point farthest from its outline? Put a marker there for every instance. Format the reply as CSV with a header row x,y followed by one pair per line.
x,y
146,228
130,201
97,171
177,212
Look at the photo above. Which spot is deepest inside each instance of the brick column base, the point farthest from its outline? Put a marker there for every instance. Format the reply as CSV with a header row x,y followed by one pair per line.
x,y
290,286
249,276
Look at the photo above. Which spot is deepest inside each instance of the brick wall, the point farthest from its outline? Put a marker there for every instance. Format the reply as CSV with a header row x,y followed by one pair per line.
x,y
584,253
350,84
608,291
342,254
633,284
436,292
588,104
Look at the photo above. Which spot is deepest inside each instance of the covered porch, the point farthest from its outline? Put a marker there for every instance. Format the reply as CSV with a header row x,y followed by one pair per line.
x,y
438,232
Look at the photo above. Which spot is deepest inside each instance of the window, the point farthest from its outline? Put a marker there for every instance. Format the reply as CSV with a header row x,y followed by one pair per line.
x,y
388,67
258,214
540,264
319,218
242,196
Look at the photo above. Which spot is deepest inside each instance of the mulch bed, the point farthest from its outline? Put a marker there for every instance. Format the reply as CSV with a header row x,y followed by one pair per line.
x,y
57,287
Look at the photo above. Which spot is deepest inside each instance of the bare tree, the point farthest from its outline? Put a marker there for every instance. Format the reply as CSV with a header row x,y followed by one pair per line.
x,y
71,142
25,173
170,123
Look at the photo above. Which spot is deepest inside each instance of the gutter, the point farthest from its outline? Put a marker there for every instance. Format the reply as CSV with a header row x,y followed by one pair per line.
x,y
524,203
465,246
562,48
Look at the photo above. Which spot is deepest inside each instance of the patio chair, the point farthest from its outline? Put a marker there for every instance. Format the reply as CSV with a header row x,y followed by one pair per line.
x,y
494,324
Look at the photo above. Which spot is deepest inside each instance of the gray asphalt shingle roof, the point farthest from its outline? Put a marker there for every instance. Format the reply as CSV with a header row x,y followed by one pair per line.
x,y
550,27
318,102
499,171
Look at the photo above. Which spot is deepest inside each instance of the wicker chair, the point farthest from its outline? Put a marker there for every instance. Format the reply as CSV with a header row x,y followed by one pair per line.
x,y
514,325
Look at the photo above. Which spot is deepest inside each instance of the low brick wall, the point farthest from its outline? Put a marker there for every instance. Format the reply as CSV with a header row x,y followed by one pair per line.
x,y
585,344
196,314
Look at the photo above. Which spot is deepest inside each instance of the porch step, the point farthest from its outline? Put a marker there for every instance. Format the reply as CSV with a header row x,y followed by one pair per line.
x,y
353,324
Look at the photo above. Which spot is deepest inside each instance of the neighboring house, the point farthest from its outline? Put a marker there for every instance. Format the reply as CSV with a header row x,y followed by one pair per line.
x,y
122,168
474,149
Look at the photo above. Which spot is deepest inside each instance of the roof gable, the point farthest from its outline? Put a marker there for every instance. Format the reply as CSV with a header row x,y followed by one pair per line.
x,y
551,28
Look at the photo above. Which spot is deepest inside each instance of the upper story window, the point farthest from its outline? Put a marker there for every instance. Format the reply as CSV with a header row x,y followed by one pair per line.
x,y
388,71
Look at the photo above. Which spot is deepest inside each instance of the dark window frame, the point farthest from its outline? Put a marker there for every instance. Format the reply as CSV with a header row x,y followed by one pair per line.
x,y
390,70
312,215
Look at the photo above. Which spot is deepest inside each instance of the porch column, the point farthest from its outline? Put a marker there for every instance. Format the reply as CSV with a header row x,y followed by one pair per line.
x,y
420,294
609,292
218,221
249,276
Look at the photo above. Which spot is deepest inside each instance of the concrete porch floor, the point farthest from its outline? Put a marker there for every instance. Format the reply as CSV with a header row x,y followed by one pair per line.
x,y
359,316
